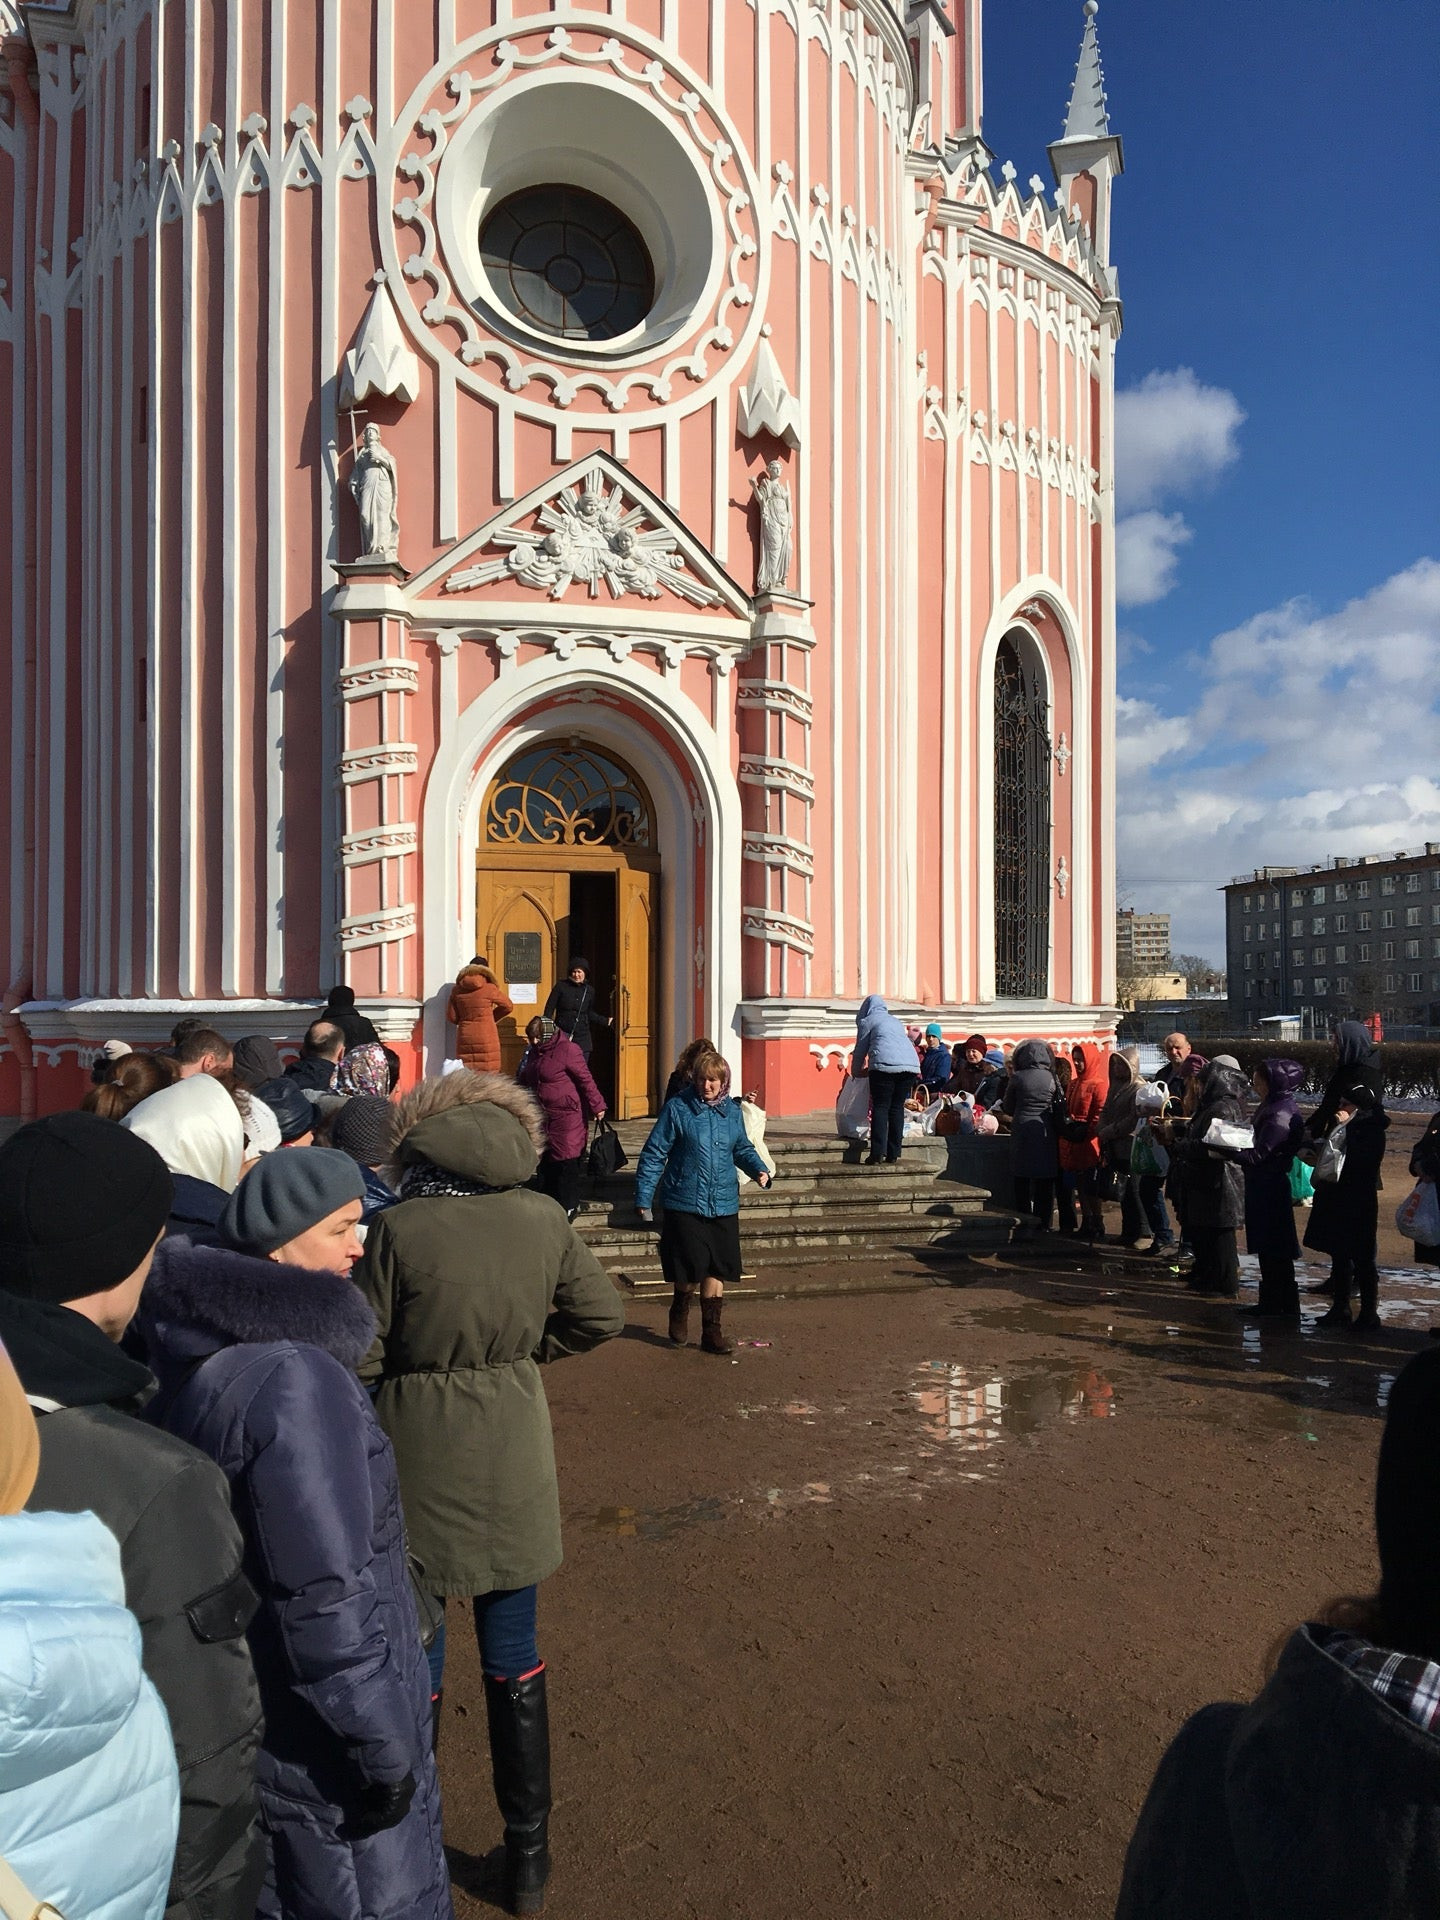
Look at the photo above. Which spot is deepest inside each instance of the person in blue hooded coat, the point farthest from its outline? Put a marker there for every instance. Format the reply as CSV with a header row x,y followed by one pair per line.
x,y
935,1060
256,1345
1269,1210
89,1790
883,1050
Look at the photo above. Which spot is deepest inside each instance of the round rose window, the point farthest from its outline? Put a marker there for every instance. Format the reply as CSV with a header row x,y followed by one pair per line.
x,y
567,263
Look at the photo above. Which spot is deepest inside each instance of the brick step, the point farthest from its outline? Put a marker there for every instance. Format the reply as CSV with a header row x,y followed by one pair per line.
x,y
824,1228
866,1264
596,1216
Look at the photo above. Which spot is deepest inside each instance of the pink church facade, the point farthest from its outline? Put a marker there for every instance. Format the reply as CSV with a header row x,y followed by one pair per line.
x,y
727,592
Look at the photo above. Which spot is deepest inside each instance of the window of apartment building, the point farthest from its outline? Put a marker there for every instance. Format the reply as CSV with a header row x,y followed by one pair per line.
x,y
1435,949
1297,987
1435,916
1249,988
1317,896
1340,953
1362,889
1319,957
1297,929
1412,949
1412,916
1245,904
1387,918
1247,933
1417,982
1342,923
1387,950
1435,983
1322,986
1248,958
1318,925
1275,901
1362,952
1298,957
1342,891
1435,880
1392,982
1362,921
1412,883
1342,987
1387,883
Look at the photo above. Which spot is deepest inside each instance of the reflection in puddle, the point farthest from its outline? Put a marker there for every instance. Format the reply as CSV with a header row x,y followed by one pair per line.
x,y
975,1410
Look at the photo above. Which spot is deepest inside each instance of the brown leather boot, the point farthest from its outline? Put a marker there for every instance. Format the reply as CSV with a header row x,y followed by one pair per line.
x,y
712,1334
680,1315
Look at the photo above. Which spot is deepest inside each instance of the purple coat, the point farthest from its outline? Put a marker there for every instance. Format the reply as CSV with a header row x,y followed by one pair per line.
x,y
1269,1209
556,1073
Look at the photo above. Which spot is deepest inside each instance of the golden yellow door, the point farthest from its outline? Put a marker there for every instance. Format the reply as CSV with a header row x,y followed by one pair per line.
x,y
521,919
639,932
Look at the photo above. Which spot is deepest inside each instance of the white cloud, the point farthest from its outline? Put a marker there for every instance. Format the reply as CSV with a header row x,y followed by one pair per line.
x,y
1173,436
1147,554
1310,734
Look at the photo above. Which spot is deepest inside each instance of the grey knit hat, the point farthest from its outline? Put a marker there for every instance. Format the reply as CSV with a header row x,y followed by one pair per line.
x,y
288,1193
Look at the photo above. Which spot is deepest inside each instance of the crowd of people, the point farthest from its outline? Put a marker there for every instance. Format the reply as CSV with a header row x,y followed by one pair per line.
x,y
270,1397
1227,1153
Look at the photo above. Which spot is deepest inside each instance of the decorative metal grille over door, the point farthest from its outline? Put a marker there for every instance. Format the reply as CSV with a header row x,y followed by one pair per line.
x,y
1022,830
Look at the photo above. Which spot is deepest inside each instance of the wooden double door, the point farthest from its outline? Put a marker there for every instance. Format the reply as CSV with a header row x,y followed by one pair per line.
x,y
534,920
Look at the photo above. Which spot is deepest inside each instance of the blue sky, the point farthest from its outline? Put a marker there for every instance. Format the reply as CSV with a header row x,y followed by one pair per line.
x,y
1279,428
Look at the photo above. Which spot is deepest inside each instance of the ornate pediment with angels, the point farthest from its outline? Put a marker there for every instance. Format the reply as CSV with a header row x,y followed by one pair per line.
x,y
593,532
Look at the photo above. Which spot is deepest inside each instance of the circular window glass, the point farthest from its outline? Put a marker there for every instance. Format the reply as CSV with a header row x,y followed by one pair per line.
x,y
567,263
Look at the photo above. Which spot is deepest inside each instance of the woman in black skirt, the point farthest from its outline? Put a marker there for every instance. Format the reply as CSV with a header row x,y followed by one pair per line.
x,y
691,1156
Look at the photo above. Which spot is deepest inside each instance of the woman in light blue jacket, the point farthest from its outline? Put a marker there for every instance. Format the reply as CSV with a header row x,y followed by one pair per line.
x,y
884,1050
696,1145
89,1790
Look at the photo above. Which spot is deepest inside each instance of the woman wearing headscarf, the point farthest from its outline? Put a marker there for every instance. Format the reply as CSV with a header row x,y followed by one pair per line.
x,y
555,1071
89,1791
1030,1099
477,1003
365,1069
256,1059
256,1345
1080,1136
1320,1798
196,1129
1169,1131
968,1065
1214,1188
1345,1218
476,1280
1269,1209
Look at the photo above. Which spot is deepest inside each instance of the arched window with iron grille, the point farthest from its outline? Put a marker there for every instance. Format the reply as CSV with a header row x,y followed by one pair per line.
x,y
1022,823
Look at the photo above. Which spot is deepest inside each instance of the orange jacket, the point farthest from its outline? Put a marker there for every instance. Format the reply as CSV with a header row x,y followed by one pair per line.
x,y
476,1003
1086,1101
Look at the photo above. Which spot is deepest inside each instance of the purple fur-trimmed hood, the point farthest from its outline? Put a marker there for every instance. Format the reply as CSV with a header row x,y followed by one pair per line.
x,y
200,1299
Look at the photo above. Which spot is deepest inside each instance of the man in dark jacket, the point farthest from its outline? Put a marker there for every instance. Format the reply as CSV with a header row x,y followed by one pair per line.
x,y
1172,1077
83,1204
340,1010
320,1055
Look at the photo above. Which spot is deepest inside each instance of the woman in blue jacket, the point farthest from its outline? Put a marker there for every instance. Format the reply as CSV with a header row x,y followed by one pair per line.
x,y
696,1145
256,1346
883,1051
89,1791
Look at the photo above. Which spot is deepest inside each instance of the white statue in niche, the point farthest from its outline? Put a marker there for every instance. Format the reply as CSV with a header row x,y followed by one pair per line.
x,y
777,528
375,484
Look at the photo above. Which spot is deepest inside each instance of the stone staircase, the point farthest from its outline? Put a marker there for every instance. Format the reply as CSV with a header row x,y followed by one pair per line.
x,y
824,1217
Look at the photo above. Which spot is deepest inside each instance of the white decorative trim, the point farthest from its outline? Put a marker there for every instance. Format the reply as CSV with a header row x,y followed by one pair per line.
x,y
779,850
765,404
779,929
369,677
378,843
376,929
367,763
780,776
380,362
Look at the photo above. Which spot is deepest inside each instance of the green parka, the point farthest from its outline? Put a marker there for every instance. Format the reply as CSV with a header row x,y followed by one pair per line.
x,y
470,1292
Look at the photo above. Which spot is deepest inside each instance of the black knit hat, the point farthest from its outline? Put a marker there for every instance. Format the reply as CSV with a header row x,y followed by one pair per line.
x,y
82,1202
1407,1499
363,1128
293,1112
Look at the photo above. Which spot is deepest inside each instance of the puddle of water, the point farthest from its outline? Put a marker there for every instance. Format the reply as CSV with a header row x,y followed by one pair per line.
x,y
975,1410
634,1523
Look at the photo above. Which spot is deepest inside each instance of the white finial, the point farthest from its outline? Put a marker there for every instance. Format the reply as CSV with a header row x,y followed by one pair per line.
x,y
1092,7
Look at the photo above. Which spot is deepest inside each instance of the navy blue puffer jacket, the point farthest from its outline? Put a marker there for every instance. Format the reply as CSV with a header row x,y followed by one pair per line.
x,y
256,1365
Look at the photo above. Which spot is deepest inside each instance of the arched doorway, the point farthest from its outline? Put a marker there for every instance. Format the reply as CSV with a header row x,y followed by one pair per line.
x,y
1022,822
568,865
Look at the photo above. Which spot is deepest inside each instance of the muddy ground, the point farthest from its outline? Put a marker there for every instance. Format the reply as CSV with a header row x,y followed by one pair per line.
x,y
896,1613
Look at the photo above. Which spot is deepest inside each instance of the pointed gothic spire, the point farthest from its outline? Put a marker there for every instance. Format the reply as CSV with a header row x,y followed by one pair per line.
x,y
1088,118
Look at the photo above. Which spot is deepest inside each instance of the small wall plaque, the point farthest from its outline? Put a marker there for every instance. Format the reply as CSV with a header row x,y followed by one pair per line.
x,y
522,958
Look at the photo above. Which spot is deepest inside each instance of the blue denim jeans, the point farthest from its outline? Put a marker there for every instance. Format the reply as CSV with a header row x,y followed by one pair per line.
x,y
505,1629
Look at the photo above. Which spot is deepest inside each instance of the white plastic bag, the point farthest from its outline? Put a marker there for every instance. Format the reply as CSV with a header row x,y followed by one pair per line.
x,y
1418,1217
1150,1098
1223,1133
754,1119
852,1107
1330,1159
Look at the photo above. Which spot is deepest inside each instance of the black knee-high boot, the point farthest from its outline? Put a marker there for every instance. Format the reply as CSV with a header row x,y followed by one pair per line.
x,y
520,1759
